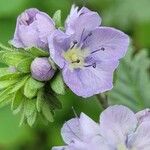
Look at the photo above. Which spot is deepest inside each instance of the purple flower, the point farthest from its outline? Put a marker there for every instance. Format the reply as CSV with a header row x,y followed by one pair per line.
x,y
32,29
41,69
86,53
119,129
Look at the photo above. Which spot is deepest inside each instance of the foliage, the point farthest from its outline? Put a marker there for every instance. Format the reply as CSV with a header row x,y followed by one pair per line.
x,y
133,82
28,96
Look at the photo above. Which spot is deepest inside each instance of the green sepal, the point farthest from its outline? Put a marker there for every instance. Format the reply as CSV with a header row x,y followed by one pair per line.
x,y
6,83
37,52
57,18
24,65
31,87
57,84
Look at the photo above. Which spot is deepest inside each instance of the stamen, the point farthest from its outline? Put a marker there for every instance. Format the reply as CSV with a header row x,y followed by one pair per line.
x,y
77,61
101,49
92,65
74,43
87,36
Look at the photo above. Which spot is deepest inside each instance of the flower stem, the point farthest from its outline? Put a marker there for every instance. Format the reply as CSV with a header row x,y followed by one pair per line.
x,y
102,99
3,47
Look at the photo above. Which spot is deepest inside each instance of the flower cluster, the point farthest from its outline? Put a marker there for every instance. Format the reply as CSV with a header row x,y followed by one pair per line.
x,y
46,58
119,129
86,53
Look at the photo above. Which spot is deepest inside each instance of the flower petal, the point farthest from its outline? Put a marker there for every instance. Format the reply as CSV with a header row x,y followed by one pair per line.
x,y
60,148
116,122
71,130
101,78
45,26
58,43
140,140
88,127
81,21
79,129
107,43
143,116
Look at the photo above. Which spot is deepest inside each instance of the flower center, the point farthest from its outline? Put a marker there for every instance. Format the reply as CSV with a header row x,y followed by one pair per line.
x,y
121,147
76,57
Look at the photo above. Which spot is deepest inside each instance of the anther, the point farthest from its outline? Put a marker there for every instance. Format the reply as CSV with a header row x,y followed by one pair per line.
x,y
87,36
77,61
101,49
74,43
92,65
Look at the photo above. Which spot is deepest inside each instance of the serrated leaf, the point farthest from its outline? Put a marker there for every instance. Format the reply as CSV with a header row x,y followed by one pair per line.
x,y
133,82
31,87
37,52
24,65
46,111
57,18
57,85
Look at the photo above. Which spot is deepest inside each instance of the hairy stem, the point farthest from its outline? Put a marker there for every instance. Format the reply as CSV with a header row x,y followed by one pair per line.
x,y
102,99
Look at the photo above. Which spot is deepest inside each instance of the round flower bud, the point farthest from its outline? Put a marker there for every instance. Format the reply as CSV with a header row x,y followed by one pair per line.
x,y
41,69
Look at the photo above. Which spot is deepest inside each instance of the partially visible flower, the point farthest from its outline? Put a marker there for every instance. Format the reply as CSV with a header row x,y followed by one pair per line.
x,y
86,53
119,129
32,29
41,69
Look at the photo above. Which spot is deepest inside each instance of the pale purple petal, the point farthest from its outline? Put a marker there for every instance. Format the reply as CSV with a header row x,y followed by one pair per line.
x,y
82,21
60,148
79,129
71,131
143,116
88,127
58,43
107,43
101,78
116,122
140,140
32,29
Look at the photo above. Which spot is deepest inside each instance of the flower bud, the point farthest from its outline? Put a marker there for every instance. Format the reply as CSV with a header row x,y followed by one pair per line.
x,y
41,69
32,29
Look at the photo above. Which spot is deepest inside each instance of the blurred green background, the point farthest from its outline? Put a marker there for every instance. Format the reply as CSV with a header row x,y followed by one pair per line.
x,y
132,82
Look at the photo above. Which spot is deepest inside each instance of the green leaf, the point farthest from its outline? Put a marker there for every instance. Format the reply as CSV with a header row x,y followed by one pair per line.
x,y
133,82
37,52
13,58
6,83
40,100
57,18
11,76
31,119
17,100
46,111
57,85
6,100
24,65
31,87
19,84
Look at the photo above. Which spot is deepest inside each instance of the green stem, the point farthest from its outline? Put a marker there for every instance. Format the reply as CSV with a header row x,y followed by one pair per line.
x,y
102,99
